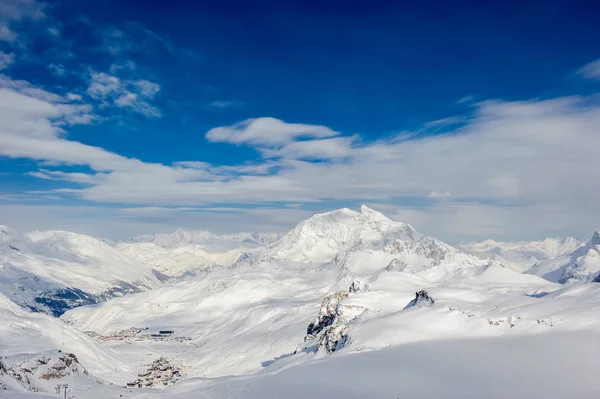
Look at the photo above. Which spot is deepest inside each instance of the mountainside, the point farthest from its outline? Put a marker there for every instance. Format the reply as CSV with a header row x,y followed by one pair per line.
x,y
56,270
340,283
582,264
242,318
174,262
521,256
362,243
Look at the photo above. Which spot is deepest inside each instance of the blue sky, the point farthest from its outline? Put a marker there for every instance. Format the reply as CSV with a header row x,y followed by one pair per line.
x,y
468,120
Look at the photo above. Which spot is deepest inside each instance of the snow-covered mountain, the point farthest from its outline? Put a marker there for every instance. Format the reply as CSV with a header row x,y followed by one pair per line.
x,y
173,262
56,270
188,252
522,255
581,264
208,241
340,283
363,243
260,306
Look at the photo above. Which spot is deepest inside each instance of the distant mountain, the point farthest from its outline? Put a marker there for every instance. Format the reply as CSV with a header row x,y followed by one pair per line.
x,y
188,252
361,243
581,264
173,262
521,256
208,241
57,270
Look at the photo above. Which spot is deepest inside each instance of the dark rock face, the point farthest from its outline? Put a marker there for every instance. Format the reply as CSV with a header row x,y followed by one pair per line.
x,y
422,299
334,338
58,302
330,310
358,286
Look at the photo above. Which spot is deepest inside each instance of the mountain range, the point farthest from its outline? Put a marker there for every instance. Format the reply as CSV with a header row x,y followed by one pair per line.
x,y
209,309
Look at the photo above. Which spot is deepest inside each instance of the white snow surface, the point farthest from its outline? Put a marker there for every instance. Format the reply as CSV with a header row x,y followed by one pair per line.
x,y
239,329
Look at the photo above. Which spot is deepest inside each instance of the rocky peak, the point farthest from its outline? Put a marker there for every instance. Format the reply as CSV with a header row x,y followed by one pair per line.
x,y
330,310
595,238
422,299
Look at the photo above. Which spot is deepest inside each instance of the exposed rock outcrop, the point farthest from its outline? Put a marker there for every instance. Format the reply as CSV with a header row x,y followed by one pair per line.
x,y
396,265
160,373
334,338
330,310
422,299
35,372
358,286
330,332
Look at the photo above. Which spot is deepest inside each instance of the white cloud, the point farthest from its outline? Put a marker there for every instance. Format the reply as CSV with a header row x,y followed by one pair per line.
x,y
13,11
146,88
267,131
330,148
440,194
130,94
57,69
512,163
6,59
54,32
122,65
591,70
465,99
221,104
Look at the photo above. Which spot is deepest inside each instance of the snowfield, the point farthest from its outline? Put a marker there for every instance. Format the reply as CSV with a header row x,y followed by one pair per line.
x,y
329,309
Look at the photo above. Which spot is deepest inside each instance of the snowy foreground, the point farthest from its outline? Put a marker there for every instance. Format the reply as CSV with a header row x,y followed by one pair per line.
x,y
328,310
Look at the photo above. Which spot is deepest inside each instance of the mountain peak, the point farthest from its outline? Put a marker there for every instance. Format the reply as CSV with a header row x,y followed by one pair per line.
x,y
595,238
366,209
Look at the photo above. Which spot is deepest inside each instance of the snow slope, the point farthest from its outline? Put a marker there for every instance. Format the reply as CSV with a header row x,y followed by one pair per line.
x,y
582,264
243,318
522,255
549,366
56,270
262,328
25,332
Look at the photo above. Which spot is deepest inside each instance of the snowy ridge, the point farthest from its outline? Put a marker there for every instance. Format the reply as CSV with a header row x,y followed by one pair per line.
x,y
582,264
522,255
338,284
210,242
56,270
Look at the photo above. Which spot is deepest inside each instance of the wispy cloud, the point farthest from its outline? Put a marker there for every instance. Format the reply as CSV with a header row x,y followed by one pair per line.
x,y
439,194
6,59
14,11
509,160
222,104
267,131
57,69
591,70
465,99
122,93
